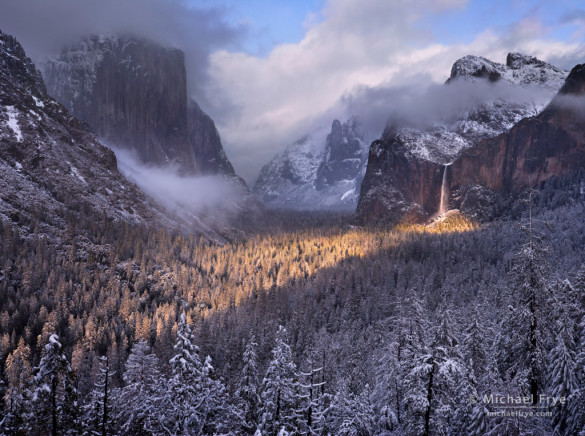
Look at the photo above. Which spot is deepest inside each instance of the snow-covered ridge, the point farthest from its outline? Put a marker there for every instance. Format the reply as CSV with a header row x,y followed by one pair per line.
x,y
501,96
52,165
519,70
317,173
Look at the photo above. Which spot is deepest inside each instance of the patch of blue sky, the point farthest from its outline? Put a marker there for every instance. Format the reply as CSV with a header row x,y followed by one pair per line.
x,y
268,22
559,19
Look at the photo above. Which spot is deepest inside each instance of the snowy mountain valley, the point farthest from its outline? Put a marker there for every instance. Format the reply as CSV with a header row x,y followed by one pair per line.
x,y
451,303
307,177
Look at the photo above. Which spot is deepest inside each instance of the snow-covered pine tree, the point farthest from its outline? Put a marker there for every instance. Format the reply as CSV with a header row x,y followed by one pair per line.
x,y
97,416
387,395
247,395
482,378
528,330
525,329
53,407
561,369
434,384
414,374
310,402
221,415
194,403
349,414
138,403
576,402
474,342
181,414
579,287
278,389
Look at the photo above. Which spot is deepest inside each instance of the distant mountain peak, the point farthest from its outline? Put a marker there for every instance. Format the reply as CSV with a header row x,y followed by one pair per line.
x,y
476,66
317,173
517,61
520,69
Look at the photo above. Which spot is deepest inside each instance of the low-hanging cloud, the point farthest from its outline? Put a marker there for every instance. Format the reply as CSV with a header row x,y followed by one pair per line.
x,y
572,103
188,196
380,50
425,103
371,56
45,27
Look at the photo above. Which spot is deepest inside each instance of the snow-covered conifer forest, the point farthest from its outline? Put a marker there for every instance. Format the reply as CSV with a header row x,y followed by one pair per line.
x,y
431,282
313,326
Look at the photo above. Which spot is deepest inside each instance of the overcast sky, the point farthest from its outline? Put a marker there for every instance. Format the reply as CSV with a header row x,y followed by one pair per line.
x,y
270,71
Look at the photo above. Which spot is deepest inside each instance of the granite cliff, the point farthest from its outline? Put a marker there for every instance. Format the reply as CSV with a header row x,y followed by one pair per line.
x,y
133,93
52,168
532,152
315,173
409,167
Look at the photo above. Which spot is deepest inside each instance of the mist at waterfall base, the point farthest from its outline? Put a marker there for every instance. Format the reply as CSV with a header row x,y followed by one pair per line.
x,y
188,196
422,103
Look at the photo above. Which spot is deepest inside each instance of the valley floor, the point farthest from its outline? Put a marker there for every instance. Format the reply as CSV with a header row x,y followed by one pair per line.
x,y
313,325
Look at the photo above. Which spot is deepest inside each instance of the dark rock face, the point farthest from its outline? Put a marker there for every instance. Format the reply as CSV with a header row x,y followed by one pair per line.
x,y
536,149
343,154
401,187
51,165
575,83
133,93
204,141
517,60
404,174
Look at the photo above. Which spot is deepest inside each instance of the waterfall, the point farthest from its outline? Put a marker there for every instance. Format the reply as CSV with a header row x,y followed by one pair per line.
x,y
444,204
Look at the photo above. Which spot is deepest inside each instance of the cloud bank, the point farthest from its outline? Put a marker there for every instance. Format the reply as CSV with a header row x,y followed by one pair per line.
x,y
425,103
363,58
378,45
44,27
190,197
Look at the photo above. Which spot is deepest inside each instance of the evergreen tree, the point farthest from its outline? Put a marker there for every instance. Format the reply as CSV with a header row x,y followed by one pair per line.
x,y
350,414
523,341
18,373
435,383
387,396
138,403
54,407
97,417
194,403
561,370
482,379
474,343
247,392
311,401
575,421
278,389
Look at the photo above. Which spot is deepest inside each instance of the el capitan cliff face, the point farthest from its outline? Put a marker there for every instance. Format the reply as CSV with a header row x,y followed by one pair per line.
x,y
133,93
52,168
